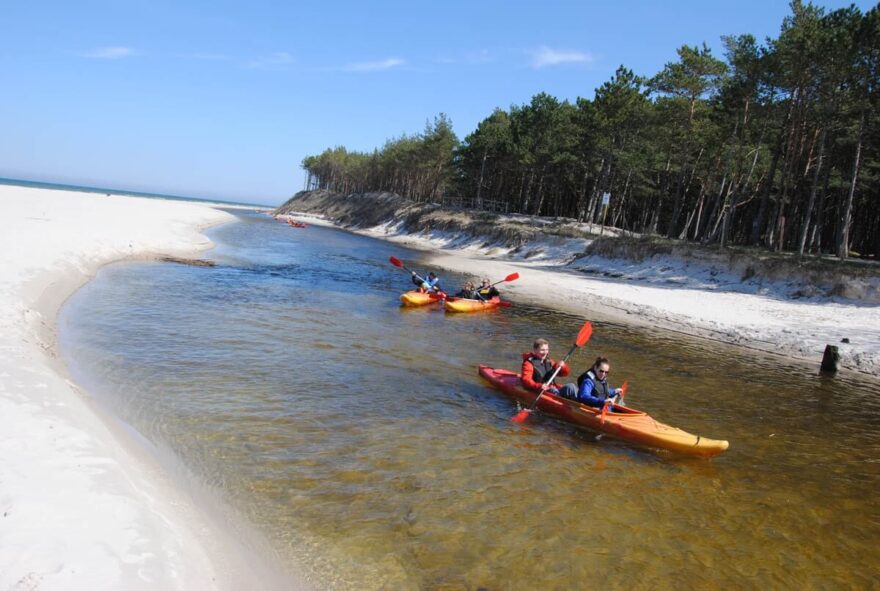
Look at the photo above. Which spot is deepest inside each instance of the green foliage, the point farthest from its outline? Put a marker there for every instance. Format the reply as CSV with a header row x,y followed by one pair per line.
x,y
776,146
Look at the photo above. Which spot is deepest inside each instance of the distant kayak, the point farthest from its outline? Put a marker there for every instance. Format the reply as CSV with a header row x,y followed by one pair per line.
x,y
466,305
419,298
624,423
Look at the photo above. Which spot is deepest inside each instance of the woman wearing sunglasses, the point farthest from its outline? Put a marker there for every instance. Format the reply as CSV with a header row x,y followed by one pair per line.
x,y
593,388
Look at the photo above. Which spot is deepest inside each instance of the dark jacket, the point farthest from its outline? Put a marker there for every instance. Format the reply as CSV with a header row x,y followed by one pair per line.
x,y
535,372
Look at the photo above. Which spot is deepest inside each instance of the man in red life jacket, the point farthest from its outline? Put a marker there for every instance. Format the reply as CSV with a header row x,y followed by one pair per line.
x,y
537,367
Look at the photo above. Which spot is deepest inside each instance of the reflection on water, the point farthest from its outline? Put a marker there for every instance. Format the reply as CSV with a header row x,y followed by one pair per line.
x,y
359,437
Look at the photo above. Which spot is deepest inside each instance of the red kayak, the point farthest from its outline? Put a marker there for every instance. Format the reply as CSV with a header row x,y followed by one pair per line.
x,y
623,423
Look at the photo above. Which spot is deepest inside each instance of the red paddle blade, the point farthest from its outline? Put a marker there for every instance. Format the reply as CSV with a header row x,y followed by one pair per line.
x,y
504,304
395,261
604,413
512,277
521,416
623,388
584,334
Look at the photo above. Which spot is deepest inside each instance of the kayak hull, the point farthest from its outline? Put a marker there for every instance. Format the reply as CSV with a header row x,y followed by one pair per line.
x,y
466,305
624,423
417,298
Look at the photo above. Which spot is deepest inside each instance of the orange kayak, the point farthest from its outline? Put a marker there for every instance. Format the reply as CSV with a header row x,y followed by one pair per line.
x,y
465,305
624,423
418,298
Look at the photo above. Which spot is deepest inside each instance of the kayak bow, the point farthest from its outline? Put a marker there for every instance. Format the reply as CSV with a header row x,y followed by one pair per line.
x,y
417,298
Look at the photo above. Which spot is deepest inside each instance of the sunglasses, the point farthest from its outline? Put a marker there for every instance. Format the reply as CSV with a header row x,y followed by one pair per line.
x,y
605,371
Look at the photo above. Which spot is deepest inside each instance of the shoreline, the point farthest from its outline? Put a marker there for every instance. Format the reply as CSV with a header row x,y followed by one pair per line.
x,y
86,503
664,294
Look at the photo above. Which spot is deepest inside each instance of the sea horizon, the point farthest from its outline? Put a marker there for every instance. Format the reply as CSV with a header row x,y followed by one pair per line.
x,y
123,192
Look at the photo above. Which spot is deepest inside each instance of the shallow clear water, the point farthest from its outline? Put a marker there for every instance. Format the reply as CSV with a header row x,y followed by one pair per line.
x,y
358,437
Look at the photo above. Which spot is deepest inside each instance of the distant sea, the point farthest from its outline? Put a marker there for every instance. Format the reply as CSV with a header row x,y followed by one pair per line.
x,y
82,188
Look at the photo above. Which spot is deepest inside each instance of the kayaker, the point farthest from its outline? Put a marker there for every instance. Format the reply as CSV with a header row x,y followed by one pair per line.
x,y
487,291
467,291
593,388
537,367
432,283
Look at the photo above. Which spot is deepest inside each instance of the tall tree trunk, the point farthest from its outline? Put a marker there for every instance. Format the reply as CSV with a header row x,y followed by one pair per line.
x,y
843,235
540,193
480,183
582,198
524,204
760,219
813,190
664,183
676,207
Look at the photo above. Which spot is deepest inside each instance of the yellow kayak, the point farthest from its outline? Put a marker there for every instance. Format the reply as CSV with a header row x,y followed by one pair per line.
x,y
466,305
418,298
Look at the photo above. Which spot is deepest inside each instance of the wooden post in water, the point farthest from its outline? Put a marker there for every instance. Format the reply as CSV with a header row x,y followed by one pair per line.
x,y
830,359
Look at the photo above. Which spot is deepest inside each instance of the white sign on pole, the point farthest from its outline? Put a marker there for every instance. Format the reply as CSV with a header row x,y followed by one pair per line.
x,y
606,198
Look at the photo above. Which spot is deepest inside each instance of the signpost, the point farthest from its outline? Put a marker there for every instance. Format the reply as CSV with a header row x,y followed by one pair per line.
x,y
606,199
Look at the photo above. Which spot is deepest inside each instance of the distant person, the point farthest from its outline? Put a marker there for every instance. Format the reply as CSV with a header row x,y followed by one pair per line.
x,y
537,367
487,291
593,389
468,291
429,284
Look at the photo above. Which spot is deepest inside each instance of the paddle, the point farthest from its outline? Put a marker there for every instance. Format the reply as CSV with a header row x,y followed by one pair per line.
x,y
511,277
399,264
608,402
582,337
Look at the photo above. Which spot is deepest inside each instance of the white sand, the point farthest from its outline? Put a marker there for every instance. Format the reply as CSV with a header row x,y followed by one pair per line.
x,y
668,294
82,506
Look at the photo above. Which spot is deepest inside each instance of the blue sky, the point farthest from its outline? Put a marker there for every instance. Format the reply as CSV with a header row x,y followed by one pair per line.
x,y
223,99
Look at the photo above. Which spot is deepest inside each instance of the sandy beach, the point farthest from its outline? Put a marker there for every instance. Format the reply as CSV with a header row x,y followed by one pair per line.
x,y
84,505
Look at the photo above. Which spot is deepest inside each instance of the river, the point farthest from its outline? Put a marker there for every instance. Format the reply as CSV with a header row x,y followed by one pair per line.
x,y
357,437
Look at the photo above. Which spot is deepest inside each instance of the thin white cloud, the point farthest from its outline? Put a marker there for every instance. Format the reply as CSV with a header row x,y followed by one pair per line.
x,y
273,61
545,56
108,53
387,64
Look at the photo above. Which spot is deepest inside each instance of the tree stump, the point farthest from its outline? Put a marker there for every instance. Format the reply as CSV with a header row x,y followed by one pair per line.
x,y
830,359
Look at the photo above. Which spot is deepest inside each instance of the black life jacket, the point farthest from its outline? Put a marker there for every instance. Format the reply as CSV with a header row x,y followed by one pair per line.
x,y
543,369
600,387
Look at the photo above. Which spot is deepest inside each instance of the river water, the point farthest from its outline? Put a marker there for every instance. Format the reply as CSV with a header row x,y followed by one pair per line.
x,y
358,438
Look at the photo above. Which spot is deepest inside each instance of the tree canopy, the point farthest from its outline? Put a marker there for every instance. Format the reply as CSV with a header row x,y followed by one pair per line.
x,y
775,145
